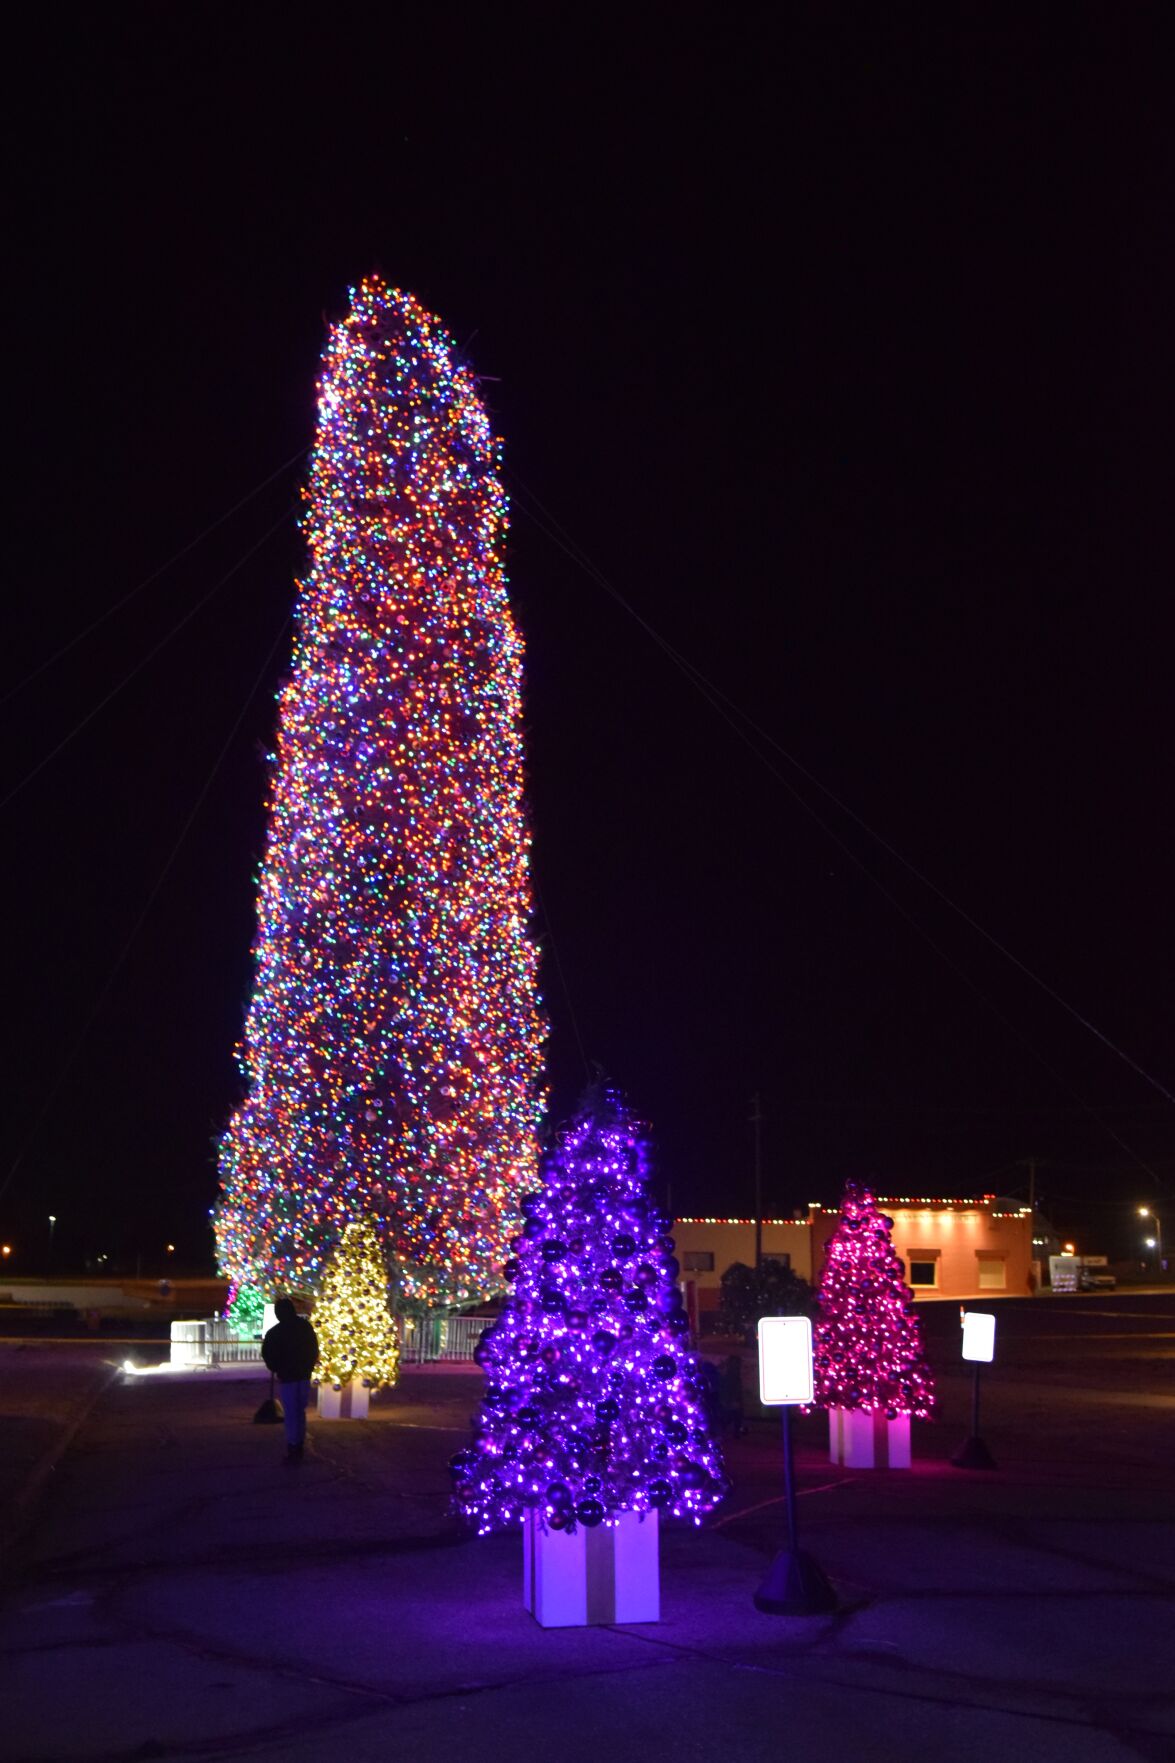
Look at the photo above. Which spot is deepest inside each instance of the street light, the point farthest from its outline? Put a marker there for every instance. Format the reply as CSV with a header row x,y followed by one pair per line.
x,y
52,1222
1155,1242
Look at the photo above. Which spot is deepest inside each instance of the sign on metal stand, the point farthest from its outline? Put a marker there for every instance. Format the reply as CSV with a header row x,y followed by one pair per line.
x,y
978,1349
795,1585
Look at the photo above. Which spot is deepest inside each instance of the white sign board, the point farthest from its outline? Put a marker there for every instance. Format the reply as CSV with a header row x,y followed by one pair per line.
x,y
979,1336
785,1360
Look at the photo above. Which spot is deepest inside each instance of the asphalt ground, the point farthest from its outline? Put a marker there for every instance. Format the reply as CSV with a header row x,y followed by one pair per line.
x,y
174,1590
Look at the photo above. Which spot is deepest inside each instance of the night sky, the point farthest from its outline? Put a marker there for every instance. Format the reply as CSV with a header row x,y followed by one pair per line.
x,y
835,341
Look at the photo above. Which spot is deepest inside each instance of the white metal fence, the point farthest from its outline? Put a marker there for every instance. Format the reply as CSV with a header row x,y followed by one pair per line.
x,y
234,1352
211,1342
425,1339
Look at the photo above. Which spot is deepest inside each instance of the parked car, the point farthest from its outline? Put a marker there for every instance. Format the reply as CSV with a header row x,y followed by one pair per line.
x,y
1096,1279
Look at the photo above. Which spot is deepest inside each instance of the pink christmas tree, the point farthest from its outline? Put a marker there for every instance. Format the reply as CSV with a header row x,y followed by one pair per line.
x,y
868,1346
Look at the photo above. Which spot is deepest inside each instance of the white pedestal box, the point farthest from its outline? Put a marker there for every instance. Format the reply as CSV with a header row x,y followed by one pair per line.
x,y
188,1344
611,1573
862,1438
210,1341
348,1403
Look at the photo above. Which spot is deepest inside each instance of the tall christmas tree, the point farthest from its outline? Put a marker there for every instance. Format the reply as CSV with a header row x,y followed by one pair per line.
x,y
357,1334
594,1402
868,1345
392,1048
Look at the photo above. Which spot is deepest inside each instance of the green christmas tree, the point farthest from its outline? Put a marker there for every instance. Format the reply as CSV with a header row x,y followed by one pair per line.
x,y
246,1313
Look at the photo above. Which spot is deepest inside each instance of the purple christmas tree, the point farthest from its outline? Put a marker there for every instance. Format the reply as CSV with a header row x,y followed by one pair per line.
x,y
594,1402
868,1346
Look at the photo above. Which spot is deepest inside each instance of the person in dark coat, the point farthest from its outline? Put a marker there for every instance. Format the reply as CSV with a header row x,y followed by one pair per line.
x,y
290,1349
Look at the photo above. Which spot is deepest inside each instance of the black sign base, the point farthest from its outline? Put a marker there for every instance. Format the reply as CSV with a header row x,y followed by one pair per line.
x,y
795,1586
974,1454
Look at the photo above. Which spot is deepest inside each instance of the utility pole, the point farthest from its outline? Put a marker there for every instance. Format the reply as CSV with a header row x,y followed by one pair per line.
x,y
1032,1255
1029,1163
757,1123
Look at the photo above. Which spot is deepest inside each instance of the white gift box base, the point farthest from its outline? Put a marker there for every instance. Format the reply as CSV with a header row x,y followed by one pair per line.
x,y
610,1573
348,1403
862,1438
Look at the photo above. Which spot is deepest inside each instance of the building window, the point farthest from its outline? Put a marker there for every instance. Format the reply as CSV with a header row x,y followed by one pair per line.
x,y
698,1260
922,1267
993,1273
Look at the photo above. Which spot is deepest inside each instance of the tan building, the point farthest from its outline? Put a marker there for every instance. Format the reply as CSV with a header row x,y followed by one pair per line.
x,y
706,1247
952,1248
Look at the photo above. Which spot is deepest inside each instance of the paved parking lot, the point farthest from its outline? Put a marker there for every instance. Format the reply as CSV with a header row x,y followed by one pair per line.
x,y
201,1600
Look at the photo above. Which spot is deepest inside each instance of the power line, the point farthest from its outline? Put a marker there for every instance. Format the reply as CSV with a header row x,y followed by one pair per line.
x,y
726,707
559,968
80,636
141,664
707,686
68,1062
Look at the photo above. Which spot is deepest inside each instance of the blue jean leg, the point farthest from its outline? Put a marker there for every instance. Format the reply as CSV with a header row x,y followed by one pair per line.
x,y
294,1398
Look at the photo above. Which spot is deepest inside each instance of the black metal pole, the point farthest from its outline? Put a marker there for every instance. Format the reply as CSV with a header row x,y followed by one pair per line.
x,y
973,1453
795,1585
789,1481
757,1123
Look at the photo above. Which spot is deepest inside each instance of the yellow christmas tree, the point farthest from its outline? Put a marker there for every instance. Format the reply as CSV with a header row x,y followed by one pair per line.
x,y
357,1334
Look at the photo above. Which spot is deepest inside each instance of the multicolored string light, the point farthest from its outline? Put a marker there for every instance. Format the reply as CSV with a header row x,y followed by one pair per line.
x,y
392,1050
595,1402
868,1345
